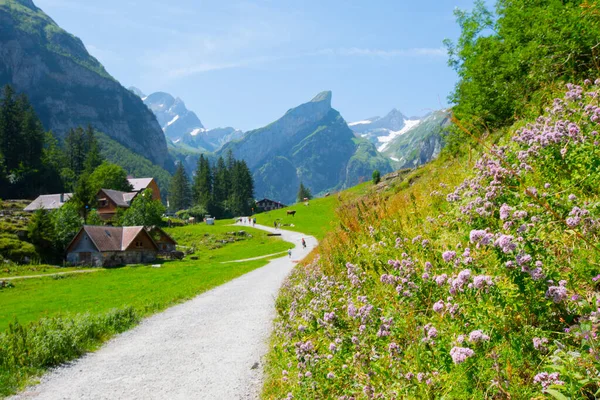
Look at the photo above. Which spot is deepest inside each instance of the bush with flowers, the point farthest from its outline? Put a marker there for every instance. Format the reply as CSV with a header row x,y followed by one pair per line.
x,y
484,286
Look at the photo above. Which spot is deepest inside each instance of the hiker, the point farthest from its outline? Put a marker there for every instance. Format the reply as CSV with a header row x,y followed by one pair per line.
x,y
253,221
275,224
303,243
290,253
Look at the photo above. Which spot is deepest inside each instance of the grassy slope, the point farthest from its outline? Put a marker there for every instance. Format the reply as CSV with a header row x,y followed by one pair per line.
x,y
140,286
514,311
316,219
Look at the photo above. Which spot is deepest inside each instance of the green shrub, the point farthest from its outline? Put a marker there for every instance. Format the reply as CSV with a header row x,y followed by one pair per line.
x,y
16,250
26,351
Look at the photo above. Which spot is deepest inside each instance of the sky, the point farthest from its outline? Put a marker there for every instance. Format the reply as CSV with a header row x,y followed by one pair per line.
x,y
244,63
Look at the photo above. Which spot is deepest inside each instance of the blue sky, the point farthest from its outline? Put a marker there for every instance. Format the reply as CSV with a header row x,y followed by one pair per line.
x,y
244,63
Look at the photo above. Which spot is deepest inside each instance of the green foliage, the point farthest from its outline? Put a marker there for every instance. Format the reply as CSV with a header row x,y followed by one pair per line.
x,y
41,229
84,196
180,196
16,250
202,188
503,59
25,166
476,279
109,176
134,164
376,177
67,222
144,211
303,193
28,350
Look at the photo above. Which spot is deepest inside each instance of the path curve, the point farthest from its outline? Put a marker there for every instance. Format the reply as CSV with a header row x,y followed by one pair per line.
x,y
205,348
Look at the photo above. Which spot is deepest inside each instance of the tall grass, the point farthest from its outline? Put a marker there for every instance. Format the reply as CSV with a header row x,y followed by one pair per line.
x,y
27,351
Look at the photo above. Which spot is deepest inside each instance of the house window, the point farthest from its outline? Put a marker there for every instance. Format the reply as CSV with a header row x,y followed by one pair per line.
x,y
139,244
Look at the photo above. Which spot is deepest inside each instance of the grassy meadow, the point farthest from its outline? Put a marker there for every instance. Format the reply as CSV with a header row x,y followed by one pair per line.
x,y
316,219
86,309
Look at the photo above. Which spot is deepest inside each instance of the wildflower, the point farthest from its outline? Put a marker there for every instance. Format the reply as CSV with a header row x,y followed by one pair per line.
x,y
572,197
330,375
546,380
557,293
448,255
460,354
329,317
409,375
538,343
441,279
308,374
505,242
478,336
420,376
505,210
438,307
332,347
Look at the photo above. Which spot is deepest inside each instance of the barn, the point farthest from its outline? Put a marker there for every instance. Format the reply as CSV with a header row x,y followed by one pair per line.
x,y
106,246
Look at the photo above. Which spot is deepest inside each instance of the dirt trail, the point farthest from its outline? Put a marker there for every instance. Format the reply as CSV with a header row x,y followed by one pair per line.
x,y
210,347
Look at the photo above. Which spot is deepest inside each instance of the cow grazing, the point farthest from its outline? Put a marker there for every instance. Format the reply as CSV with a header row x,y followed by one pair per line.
x,y
291,212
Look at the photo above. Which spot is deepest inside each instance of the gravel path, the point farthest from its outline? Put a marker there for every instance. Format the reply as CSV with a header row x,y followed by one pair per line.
x,y
210,347
83,271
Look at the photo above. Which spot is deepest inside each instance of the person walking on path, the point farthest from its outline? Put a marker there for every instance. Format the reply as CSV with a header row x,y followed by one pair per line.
x,y
303,243
290,253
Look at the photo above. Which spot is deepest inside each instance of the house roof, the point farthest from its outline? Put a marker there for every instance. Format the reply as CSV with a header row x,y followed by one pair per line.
x,y
121,199
140,183
270,201
152,229
48,201
112,238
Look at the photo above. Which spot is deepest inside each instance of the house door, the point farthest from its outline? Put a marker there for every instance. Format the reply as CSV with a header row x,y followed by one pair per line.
x,y
85,258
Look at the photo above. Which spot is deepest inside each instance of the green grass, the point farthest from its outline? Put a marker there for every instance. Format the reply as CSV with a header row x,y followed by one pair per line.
x,y
14,270
53,319
141,286
316,219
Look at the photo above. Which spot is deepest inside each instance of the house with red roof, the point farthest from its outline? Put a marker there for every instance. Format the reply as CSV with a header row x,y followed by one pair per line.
x,y
105,246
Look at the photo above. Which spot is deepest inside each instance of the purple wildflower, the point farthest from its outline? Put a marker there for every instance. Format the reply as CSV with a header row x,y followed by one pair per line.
x,y
460,354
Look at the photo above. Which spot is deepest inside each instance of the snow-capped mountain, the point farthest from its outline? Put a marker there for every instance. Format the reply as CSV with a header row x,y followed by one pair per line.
x,y
183,127
408,141
382,130
174,118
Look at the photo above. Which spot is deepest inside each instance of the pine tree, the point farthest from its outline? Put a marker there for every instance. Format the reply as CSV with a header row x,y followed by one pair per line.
x,y
179,190
84,196
221,186
41,230
9,129
303,193
75,143
93,158
202,187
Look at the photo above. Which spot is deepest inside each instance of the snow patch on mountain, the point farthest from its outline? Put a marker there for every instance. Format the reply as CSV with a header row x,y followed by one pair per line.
x,y
364,122
171,122
385,140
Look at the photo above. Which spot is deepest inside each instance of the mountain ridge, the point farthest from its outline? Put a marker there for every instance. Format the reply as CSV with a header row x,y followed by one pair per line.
x,y
67,86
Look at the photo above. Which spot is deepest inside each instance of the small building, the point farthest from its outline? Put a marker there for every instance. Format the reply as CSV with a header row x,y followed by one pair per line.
x,y
109,201
141,184
106,246
268,205
165,243
49,201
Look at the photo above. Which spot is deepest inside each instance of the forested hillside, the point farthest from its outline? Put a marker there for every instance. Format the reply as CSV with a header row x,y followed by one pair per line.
x,y
475,276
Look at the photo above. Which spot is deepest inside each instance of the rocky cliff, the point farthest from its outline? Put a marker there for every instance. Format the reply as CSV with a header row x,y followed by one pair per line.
x,y
310,143
67,86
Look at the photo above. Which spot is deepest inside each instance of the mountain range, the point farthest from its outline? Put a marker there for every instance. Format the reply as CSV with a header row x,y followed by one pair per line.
x,y
407,141
67,86
311,144
182,126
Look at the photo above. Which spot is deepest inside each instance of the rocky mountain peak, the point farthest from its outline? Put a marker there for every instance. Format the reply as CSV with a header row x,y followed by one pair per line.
x,y
136,91
323,97
26,3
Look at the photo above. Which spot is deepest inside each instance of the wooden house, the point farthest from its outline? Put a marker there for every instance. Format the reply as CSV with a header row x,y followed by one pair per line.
x,y
49,201
268,205
165,243
141,184
107,246
109,201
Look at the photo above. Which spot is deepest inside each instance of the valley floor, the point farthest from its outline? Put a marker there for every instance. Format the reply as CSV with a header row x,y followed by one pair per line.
x,y
210,347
